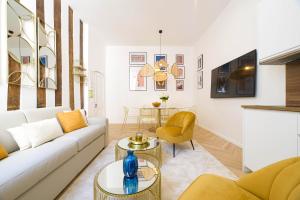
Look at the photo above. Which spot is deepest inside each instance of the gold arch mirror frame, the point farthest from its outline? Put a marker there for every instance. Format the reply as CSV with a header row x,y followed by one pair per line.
x,y
21,43
47,69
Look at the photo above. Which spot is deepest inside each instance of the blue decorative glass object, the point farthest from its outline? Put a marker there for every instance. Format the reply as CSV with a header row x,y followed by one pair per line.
x,y
130,165
130,185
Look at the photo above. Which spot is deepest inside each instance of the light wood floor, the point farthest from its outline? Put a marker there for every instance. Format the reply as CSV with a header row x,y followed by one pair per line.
x,y
227,153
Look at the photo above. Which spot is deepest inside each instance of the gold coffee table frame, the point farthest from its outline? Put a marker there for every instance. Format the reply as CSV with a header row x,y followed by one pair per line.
x,y
153,192
151,153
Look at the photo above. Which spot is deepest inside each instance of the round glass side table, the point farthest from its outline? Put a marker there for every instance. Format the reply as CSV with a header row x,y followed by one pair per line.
x,y
110,183
151,152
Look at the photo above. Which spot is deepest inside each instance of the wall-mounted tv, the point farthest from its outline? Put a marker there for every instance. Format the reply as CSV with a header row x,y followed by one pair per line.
x,y
236,78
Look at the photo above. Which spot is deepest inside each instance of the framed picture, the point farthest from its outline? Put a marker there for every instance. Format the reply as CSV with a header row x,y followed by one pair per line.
x,y
25,60
158,57
200,79
200,62
181,74
44,61
137,58
136,81
179,85
160,85
179,59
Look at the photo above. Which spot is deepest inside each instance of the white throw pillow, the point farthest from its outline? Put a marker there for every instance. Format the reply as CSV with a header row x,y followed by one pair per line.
x,y
20,136
43,131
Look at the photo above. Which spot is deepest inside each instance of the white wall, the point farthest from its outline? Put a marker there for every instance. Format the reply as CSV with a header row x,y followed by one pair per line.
x,y
97,62
230,36
117,80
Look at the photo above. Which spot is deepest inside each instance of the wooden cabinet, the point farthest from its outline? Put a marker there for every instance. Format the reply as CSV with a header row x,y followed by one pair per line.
x,y
269,136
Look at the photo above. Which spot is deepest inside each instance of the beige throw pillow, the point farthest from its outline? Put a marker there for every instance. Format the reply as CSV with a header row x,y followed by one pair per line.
x,y
43,131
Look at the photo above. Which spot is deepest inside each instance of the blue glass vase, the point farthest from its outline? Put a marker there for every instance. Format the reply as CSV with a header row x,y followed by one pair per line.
x,y
130,185
130,165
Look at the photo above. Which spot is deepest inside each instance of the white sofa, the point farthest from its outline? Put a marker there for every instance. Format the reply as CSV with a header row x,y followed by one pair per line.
x,y
41,173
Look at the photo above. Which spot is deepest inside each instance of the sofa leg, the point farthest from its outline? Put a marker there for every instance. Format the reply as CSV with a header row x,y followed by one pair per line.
x,y
192,144
173,150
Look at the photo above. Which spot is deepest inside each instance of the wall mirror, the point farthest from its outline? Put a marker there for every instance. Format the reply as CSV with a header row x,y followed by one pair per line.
x,y
21,44
47,71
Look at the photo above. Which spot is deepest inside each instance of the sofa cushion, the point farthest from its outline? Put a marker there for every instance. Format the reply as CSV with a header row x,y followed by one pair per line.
x,y
85,136
8,141
11,119
22,169
43,131
39,114
20,135
71,121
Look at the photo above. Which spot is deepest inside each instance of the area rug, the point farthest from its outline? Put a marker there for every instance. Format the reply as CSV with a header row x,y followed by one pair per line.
x,y
177,173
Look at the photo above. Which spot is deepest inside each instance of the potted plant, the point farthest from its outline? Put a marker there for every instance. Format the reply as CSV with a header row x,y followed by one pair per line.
x,y
164,98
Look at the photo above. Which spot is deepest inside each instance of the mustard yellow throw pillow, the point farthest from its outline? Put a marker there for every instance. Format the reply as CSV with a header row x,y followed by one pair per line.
x,y
71,121
3,152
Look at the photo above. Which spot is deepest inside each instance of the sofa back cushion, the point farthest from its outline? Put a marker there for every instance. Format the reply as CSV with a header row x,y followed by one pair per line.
x,y
8,141
71,121
11,119
39,114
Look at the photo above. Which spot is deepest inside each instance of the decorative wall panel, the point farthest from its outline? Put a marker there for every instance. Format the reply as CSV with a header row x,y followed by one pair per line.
x,y
57,26
71,59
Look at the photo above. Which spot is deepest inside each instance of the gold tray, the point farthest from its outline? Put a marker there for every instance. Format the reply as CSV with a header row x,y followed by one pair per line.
x,y
138,146
133,141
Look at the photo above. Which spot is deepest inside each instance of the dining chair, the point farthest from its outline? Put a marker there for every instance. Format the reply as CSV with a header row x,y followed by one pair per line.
x,y
128,115
147,116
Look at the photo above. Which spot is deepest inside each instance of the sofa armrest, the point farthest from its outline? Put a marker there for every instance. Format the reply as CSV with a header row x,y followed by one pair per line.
x,y
100,121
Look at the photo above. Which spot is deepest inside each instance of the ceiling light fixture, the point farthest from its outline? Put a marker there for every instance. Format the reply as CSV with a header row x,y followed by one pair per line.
x,y
161,68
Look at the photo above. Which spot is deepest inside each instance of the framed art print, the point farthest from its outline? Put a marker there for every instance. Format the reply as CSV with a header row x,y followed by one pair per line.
x,y
200,62
179,59
160,85
179,85
181,72
158,57
199,79
136,81
137,58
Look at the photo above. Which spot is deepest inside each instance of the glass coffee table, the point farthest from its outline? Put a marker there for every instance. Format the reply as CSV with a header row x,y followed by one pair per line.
x,y
110,182
150,152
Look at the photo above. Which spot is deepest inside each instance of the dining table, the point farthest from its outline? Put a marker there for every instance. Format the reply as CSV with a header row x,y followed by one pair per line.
x,y
159,110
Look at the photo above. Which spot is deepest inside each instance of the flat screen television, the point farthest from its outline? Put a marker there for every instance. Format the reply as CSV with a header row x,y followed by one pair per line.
x,y
236,78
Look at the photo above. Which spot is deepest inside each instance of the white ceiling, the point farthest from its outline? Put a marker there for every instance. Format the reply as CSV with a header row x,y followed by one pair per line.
x,y
136,22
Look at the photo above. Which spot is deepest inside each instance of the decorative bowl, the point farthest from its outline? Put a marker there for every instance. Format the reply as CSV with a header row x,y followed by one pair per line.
x,y
133,140
156,104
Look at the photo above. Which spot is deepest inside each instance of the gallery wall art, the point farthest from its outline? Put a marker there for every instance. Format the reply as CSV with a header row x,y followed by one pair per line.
x,y
136,81
137,58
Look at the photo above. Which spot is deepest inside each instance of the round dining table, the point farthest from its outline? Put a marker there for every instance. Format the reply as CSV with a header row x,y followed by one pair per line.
x,y
159,111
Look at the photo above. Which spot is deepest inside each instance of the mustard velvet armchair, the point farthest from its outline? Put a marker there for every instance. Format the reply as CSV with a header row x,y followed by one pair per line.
x,y
280,181
179,128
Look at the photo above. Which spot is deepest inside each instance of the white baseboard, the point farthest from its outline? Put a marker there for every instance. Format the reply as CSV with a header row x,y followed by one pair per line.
x,y
233,141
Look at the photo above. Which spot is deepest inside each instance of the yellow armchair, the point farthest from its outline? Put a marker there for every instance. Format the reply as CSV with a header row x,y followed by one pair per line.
x,y
280,181
179,128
